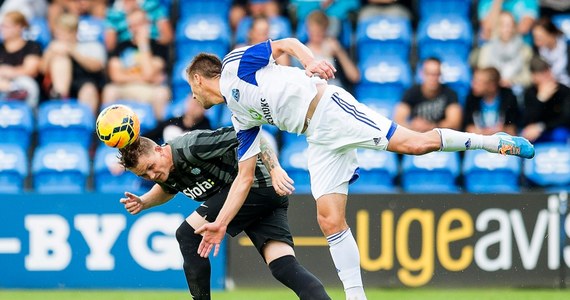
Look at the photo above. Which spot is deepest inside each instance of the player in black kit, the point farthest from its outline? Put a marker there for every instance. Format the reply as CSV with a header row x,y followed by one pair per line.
x,y
202,164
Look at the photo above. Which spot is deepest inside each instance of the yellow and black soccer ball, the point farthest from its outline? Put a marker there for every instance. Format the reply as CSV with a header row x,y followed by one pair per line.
x,y
118,126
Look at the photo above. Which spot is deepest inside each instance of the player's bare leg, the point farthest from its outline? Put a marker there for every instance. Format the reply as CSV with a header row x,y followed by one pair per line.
x,y
331,211
407,141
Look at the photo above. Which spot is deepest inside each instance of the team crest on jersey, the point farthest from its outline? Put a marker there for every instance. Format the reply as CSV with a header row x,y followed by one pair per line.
x,y
195,171
235,94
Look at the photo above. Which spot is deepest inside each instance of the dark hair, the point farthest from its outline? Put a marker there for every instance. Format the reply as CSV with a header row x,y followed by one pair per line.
x,y
538,65
548,26
432,58
492,73
205,64
129,155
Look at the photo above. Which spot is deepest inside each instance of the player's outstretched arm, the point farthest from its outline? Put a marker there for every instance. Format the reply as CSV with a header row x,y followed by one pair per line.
x,y
213,233
295,48
135,204
280,180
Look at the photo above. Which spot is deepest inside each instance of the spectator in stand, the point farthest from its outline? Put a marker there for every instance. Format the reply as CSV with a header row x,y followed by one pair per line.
x,y
490,108
118,30
19,61
430,104
329,48
337,11
136,69
552,47
508,53
547,106
525,13
75,69
259,32
193,118
31,9
84,10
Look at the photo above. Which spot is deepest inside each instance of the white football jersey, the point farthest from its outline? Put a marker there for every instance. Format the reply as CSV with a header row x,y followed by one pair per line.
x,y
258,92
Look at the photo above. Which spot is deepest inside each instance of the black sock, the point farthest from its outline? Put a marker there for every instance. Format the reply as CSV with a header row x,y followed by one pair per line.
x,y
288,271
196,268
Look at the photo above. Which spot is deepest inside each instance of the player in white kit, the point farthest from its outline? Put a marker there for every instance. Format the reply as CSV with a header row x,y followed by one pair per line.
x,y
300,101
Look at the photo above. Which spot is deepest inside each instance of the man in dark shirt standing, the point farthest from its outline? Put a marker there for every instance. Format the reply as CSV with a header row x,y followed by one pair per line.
x,y
202,164
429,105
547,106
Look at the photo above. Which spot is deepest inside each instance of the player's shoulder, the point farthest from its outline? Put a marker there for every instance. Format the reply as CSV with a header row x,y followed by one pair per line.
x,y
234,56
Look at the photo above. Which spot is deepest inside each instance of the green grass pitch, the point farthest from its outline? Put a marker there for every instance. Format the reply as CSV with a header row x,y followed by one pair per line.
x,y
283,294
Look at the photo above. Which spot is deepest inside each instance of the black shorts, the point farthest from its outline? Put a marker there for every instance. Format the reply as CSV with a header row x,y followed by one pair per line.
x,y
263,216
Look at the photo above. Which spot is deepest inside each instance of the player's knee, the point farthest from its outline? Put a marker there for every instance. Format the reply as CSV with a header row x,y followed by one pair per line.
x,y
331,223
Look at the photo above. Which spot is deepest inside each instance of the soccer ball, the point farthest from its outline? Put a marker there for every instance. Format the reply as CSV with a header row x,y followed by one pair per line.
x,y
117,126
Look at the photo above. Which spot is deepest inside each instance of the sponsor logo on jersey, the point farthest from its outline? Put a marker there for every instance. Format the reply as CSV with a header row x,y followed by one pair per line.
x,y
235,94
468,144
254,114
266,111
376,140
199,189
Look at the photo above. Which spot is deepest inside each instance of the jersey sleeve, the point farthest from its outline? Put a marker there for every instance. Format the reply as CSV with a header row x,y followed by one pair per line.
x,y
167,189
253,59
248,140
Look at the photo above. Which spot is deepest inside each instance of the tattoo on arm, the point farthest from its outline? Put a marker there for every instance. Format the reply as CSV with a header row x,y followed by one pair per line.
x,y
267,155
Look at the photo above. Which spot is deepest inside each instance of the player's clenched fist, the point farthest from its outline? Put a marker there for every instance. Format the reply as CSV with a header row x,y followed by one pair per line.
x,y
133,203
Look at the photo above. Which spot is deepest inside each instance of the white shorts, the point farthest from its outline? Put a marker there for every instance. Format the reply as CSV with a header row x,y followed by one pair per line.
x,y
339,126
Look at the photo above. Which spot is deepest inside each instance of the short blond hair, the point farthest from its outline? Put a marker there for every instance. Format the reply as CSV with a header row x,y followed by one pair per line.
x,y
68,22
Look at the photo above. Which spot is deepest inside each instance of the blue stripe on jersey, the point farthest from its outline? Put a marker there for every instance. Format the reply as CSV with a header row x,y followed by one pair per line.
x,y
230,60
355,176
355,113
254,58
246,139
391,131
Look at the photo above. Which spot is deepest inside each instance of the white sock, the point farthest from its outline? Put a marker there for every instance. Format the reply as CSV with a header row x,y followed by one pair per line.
x,y
346,258
453,141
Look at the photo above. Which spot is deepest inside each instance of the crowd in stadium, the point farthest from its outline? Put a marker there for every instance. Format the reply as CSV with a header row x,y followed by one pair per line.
x,y
481,66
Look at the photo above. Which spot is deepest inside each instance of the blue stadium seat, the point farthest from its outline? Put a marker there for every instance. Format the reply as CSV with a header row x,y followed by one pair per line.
x,y
460,8
383,78
377,172
202,34
13,169
430,173
562,21
38,32
486,172
106,181
196,8
65,121
91,29
384,36
60,168
444,35
550,167
180,87
16,123
294,160
455,73
143,110
279,28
